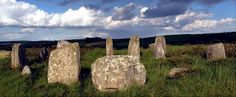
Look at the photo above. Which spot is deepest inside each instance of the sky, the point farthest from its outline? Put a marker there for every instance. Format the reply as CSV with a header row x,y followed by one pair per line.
x,y
77,19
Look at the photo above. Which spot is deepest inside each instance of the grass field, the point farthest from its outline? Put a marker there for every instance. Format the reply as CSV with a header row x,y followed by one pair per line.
x,y
211,79
4,54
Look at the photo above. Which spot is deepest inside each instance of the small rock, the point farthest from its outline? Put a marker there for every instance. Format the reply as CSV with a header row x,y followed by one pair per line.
x,y
176,72
26,70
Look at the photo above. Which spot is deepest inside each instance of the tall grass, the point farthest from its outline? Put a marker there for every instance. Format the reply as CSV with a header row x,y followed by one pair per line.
x,y
213,78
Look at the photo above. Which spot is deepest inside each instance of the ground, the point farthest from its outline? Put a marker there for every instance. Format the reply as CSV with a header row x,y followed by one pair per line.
x,y
211,77
4,54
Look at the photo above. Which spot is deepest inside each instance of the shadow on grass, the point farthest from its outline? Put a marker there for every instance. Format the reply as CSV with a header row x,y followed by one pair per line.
x,y
38,71
85,74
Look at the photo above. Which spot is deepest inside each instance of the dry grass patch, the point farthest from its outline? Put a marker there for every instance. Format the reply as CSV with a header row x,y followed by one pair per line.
x,y
4,54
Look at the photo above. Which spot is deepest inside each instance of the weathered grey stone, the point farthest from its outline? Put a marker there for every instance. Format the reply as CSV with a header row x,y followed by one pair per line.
x,y
117,72
26,70
109,46
64,64
176,72
62,43
43,53
160,47
216,51
134,47
17,56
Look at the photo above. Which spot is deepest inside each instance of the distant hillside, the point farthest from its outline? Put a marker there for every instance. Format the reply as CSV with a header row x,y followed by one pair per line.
x,y
229,37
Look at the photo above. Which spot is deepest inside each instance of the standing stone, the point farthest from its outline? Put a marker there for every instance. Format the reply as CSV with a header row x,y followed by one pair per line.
x,y
17,56
43,53
62,43
26,70
117,72
160,47
134,47
216,51
109,46
64,64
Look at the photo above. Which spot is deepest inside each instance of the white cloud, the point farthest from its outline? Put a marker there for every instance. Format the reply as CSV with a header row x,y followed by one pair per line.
x,y
81,17
11,10
124,13
28,30
207,24
137,21
94,34
190,16
129,21
169,28
142,11
19,13
190,21
14,13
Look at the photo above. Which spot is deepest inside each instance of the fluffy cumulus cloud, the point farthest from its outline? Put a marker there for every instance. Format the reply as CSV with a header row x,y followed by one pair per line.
x,y
124,13
167,8
208,24
174,7
189,21
20,13
11,10
168,16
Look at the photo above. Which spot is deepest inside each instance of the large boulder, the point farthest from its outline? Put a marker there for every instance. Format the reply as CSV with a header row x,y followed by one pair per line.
x,y
17,56
160,47
109,46
64,64
134,46
117,72
216,51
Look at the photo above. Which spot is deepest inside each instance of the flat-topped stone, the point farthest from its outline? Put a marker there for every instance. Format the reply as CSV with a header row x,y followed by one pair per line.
x,y
117,72
64,64
216,51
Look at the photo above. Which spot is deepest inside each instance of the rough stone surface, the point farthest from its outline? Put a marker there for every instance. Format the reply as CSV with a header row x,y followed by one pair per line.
x,y
64,64
26,70
134,46
43,54
17,56
160,47
109,46
176,72
117,72
62,43
216,51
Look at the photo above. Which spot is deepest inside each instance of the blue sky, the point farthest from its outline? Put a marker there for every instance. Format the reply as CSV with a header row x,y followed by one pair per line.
x,y
77,19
